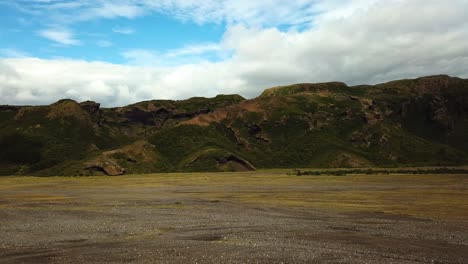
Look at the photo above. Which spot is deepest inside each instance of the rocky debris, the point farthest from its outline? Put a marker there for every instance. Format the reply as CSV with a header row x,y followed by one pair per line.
x,y
109,167
224,219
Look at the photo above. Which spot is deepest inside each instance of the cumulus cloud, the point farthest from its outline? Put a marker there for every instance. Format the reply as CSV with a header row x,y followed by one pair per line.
x,y
37,81
359,42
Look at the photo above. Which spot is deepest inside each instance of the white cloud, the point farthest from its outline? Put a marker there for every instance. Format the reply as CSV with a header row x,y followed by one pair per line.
x,y
124,30
61,36
36,81
142,57
259,13
195,50
357,42
252,13
186,55
72,11
112,9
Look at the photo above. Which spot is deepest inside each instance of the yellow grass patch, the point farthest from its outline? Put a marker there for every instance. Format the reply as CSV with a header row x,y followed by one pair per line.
x,y
424,196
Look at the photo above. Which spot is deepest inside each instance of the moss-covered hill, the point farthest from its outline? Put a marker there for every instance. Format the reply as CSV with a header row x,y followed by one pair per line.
x,y
401,123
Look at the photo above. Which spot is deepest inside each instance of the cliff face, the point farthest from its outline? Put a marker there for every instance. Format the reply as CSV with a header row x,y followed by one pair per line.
x,y
407,122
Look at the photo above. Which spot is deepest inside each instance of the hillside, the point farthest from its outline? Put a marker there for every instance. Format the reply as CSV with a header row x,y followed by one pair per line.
x,y
415,122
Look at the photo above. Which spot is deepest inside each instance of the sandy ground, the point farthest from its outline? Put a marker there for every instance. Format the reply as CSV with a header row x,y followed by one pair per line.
x,y
262,217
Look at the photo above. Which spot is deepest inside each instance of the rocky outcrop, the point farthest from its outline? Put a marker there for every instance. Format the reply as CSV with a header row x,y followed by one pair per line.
x,y
157,112
109,167
112,162
139,151
319,88
68,109
235,163
93,108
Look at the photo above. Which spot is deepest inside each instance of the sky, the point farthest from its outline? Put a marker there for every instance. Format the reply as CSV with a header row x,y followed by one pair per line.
x,y
118,52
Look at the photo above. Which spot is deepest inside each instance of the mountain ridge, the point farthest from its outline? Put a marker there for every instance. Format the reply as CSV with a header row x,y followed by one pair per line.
x,y
421,121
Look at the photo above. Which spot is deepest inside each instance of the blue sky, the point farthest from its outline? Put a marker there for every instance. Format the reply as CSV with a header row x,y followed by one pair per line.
x,y
101,39
122,51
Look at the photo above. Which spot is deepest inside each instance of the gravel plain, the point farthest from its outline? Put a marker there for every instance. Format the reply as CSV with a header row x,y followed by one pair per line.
x,y
262,217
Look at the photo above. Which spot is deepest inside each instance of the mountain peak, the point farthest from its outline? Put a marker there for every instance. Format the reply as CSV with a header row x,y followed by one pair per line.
x,y
305,88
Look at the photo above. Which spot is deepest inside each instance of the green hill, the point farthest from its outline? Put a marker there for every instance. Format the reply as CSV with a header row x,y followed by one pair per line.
x,y
401,123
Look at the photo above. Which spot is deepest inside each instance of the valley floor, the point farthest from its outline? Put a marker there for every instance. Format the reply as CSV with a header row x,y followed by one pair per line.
x,y
259,217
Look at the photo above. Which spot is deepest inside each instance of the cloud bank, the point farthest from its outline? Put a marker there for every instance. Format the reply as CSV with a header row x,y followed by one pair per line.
x,y
354,41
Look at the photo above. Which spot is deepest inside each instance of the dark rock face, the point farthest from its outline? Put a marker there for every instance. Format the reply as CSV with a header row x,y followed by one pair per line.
x,y
434,84
93,109
158,117
191,114
108,167
9,108
138,115
241,164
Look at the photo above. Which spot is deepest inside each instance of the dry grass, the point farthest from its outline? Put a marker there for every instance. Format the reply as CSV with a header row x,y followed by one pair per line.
x,y
425,196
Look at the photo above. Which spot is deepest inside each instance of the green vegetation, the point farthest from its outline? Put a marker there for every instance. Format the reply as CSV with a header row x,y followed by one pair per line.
x,y
421,122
